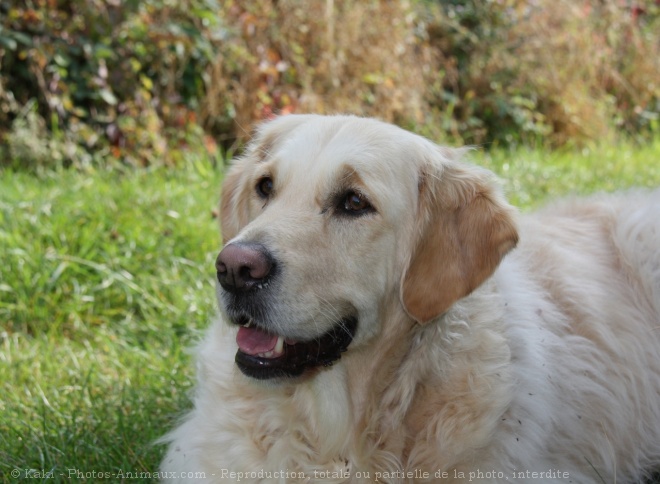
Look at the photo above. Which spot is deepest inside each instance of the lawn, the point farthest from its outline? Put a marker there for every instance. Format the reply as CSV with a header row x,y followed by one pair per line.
x,y
106,280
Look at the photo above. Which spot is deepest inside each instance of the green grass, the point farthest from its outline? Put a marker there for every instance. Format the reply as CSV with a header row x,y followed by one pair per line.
x,y
106,278
531,177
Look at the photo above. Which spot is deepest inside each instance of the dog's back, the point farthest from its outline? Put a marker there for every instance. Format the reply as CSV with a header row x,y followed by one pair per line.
x,y
591,271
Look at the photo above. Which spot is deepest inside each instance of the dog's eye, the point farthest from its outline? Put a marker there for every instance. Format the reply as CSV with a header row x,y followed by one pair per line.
x,y
265,187
355,203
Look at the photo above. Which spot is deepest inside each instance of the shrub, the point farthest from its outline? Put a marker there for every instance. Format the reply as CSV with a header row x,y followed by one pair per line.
x,y
559,70
145,82
323,56
506,71
109,74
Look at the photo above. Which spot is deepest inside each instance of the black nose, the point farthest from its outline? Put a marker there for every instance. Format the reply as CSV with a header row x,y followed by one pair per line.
x,y
243,266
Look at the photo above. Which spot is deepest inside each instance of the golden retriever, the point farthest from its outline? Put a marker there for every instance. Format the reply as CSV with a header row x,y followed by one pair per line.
x,y
387,316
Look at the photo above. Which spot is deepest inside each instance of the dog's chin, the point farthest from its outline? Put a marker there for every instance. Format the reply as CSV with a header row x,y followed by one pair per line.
x,y
288,358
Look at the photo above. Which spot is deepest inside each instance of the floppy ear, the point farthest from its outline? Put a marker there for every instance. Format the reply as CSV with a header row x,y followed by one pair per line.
x,y
464,227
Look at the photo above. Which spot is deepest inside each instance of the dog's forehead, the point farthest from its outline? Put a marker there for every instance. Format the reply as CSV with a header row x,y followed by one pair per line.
x,y
328,149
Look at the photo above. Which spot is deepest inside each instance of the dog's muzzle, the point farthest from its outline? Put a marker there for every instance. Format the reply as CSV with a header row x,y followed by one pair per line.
x,y
243,271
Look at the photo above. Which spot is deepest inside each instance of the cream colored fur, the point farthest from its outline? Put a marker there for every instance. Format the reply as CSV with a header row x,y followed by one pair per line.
x,y
473,360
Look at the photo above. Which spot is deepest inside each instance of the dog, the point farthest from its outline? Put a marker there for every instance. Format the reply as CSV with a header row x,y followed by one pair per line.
x,y
386,315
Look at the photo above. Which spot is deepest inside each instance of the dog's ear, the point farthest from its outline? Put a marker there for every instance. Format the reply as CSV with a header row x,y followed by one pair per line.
x,y
464,228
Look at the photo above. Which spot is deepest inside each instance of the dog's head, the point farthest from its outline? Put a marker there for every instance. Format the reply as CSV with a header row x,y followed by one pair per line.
x,y
326,219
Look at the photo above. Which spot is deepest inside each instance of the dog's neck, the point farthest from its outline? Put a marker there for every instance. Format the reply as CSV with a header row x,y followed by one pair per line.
x,y
374,370
352,407
381,390
408,360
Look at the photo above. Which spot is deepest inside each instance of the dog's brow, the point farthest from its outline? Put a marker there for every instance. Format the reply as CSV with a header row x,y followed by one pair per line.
x,y
350,176
347,178
264,153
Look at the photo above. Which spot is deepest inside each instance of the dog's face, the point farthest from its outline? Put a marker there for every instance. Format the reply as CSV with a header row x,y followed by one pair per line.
x,y
326,219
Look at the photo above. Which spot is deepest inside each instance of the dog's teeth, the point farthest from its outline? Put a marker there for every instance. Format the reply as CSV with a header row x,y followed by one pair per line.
x,y
275,352
279,346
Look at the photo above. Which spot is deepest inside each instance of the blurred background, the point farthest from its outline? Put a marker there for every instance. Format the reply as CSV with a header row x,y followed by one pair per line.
x,y
143,81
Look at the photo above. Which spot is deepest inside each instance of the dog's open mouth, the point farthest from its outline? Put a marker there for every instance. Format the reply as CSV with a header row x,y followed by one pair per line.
x,y
263,355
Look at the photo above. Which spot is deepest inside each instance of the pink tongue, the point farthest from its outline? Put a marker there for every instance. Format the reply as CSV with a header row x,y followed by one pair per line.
x,y
253,341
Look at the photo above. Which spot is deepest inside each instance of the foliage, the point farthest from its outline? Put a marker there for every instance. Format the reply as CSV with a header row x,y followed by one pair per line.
x,y
327,56
496,71
119,75
145,82
550,70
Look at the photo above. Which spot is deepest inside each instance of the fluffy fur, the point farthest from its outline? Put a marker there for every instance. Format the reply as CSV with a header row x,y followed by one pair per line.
x,y
473,360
